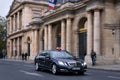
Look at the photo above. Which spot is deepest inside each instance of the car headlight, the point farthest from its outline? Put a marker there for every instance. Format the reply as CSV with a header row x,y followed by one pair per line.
x,y
84,63
62,63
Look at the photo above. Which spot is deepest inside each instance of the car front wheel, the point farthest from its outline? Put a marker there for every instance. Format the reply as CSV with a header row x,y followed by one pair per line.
x,y
36,67
54,69
81,73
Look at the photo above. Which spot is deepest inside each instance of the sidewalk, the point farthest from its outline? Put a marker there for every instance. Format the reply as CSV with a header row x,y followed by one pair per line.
x,y
114,67
19,60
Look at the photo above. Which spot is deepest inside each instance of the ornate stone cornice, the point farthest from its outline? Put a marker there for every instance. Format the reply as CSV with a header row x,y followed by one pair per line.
x,y
95,5
66,10
23,3
18,32
15,34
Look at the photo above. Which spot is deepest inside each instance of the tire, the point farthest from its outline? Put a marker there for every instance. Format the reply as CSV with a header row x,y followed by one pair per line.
x,y
81,73
36,67
54,69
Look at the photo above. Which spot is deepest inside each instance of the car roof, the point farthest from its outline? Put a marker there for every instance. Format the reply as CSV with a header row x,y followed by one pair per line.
x,y
51,50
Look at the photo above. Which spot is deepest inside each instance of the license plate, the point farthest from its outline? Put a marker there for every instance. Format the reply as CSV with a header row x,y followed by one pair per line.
x,y
76,68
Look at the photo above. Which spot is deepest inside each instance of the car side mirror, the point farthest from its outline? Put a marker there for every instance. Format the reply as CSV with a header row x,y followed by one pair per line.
x,y
47,57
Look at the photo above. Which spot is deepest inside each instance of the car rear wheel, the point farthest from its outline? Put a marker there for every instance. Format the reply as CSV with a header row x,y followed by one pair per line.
x,y
54,69
36,67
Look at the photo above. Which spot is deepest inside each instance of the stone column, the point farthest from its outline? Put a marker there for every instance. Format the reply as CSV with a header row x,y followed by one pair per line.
x,y
68,34
89,33
41,43
14,23
63,35
49,37
18,20
10,26
18,46
97,31
16,52
11,48
46,38
36,41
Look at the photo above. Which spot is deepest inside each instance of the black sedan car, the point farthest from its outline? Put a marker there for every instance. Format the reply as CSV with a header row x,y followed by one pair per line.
x,y
59,61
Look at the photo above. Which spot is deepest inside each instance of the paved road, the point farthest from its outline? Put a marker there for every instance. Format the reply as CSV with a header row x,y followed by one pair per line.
x,y
12,70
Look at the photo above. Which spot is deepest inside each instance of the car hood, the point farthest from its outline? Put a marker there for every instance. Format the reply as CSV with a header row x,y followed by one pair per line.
x,y
69,60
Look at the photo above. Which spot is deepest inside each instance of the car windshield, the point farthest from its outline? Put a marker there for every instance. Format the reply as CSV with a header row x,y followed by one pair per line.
x,y
61,54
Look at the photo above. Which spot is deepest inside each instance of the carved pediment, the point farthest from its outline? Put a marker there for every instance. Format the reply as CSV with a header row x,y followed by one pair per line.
x,y
15,4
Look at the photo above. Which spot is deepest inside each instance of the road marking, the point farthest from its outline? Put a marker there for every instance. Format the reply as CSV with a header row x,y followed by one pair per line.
x,y
30,73
114,77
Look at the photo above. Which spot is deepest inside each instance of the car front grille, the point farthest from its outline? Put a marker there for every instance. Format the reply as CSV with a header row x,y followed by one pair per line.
x,y
74,64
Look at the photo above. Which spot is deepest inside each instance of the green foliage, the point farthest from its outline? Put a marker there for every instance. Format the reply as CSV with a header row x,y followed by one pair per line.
x,y
2,35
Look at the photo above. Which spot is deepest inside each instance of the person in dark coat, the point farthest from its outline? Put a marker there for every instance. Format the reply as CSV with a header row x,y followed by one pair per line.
x,y
25,56
93,57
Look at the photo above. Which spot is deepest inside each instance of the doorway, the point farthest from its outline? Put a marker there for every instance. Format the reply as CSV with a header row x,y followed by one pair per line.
x,y
82,38
82,44
28,46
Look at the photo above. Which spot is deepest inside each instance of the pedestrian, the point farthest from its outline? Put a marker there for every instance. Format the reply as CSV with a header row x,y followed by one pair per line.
x,y
93,57
25,56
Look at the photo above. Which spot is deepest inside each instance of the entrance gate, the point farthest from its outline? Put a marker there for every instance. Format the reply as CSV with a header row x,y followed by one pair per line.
x,y
82,42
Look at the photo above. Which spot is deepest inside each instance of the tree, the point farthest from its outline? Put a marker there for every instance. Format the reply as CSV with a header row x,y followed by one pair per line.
x,y
2,36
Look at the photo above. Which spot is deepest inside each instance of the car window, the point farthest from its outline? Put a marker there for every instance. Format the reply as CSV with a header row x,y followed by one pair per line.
x,y
61,54
47,54
42,54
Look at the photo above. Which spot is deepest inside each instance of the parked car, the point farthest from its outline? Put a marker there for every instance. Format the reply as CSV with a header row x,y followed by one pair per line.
x,y
59,61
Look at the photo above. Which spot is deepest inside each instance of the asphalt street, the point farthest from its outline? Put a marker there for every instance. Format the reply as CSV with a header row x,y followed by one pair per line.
x,y
21,70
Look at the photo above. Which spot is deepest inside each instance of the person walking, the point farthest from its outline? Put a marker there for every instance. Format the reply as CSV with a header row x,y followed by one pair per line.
x,y
23,56
26,56
93,57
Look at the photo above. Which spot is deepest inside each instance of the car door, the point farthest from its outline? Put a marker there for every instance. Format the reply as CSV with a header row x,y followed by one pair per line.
x,y
41,59
48,61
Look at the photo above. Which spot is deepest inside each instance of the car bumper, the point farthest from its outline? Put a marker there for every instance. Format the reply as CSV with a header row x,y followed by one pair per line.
x,y
72,69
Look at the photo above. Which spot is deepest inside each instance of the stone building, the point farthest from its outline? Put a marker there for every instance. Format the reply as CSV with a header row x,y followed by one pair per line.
x,y
77,26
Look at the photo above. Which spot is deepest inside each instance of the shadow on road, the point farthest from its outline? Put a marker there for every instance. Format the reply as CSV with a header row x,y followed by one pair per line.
x,y
62,74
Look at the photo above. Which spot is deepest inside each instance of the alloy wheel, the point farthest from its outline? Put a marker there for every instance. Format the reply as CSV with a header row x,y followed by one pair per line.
x,y
54,69
36,67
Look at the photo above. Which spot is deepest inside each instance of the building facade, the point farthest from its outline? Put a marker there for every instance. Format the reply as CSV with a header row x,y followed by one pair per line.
x,y
77,26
